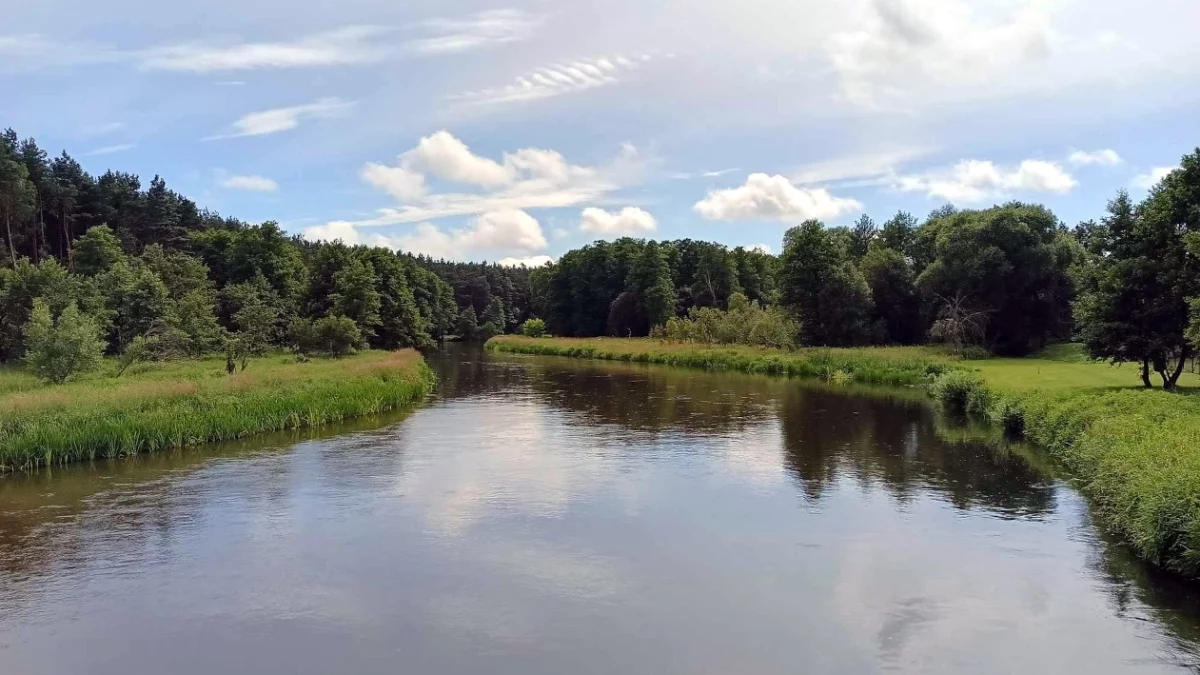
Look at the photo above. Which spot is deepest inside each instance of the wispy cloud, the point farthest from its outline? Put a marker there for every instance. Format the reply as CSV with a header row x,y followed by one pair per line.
x,y
110,149
251,183
479,31
559,78
344,46
857,170
1106,157
284,119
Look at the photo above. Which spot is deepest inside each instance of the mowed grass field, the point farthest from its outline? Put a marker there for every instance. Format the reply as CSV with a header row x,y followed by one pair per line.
x,y
157,406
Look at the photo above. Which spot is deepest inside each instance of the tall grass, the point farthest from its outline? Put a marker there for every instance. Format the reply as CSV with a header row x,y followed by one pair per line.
x,y
161,406
896,366
1135,454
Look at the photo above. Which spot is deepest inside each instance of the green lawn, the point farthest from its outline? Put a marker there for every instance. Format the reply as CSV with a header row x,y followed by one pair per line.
x,y
1064,367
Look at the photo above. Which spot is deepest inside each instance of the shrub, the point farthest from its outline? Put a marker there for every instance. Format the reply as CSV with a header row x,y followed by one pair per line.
x,y
338,335
746,323
533,328
56,351
960,391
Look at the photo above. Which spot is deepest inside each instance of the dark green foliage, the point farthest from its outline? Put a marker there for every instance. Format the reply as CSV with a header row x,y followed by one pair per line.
x,y
1010,262
1140,285
894,292
467,324
823,290
97,251
493,320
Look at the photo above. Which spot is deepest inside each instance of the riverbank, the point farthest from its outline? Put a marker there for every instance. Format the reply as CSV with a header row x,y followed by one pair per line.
x,y
154,407
1134,453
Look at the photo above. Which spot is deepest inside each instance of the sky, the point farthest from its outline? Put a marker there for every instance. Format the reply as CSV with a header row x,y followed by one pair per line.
x,y
518,130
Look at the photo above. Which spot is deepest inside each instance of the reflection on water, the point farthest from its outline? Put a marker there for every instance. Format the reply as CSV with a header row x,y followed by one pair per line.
x,y
548,516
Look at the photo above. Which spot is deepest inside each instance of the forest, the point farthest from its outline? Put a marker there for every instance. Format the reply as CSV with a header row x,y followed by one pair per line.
x,y
147,270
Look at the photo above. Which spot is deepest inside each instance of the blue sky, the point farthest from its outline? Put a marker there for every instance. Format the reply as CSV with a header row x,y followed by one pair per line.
x,y
518,130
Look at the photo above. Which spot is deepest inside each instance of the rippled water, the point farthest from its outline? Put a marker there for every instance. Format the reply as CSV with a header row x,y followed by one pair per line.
x,y
552,516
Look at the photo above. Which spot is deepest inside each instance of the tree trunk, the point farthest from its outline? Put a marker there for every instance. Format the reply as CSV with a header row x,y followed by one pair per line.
x,y
1146,374
1184,354
12,251
68,253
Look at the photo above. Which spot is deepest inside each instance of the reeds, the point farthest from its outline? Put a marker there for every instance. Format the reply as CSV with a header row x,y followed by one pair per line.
x,y
168,406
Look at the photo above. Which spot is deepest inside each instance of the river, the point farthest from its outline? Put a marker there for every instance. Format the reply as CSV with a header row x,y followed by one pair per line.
x,y
541,515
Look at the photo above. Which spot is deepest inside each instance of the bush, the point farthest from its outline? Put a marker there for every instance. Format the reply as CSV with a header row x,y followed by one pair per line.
x,y
338,335
960,391
533,328
745,323
56,351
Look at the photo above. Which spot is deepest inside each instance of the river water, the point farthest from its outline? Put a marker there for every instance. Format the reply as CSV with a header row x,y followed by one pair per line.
x,y
542,515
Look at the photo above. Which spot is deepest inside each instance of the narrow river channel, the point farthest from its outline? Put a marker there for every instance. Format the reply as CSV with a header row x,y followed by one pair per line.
x,y
543,515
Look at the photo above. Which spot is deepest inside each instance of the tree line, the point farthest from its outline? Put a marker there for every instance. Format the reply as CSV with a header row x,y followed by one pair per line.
x,y
149,265
153,275
1005,280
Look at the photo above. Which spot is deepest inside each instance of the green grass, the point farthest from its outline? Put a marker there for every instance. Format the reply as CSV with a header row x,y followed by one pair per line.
x,y
897,366
155,407
1134,453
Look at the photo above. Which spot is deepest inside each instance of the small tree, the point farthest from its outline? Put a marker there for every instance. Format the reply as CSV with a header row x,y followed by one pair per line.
x,y
493,320
467,325
338,335
58,350
533,328
97,251
256,322
957,324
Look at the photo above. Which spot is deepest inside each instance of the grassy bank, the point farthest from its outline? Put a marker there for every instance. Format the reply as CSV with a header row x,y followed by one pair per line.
x,y
154,407
897,366
1134,453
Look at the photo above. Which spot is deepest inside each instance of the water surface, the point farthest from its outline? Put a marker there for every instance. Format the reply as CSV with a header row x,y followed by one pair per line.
x,y
543,515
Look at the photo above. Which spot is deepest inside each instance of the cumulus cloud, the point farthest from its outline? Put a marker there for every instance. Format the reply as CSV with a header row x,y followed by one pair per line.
x,y
530,262
252,183
529,178
485,29
1106,157
344,46
932,42
1148,180
976,180
447,157
559,78
629,221
285,119
773,197
507,231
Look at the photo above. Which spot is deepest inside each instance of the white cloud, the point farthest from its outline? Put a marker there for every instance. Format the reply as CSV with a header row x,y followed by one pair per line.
x,y
344,46
761,248
904,44
110,149
508,231
252,183
285,119
1146,181
857,170
773,197
529,178
559,78
976,180
397,181
530,262
445,156
503,230
631,220
485,29
1106,157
